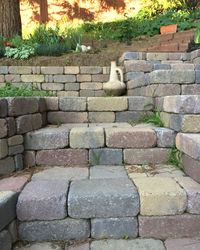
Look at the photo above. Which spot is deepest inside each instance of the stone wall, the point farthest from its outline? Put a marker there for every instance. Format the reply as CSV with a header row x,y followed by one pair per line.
x,y
17,117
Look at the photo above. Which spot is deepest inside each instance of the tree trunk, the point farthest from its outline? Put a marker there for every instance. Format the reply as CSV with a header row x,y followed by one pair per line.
x,y
10,20
43,11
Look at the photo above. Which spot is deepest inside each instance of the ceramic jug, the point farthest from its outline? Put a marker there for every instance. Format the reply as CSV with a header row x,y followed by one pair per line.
x,y
115,86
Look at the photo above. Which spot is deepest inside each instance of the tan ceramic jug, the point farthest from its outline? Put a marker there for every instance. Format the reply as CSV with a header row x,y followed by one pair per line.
x,y
115,86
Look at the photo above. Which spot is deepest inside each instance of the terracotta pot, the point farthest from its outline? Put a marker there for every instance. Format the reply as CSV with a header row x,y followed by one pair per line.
x,y
168,29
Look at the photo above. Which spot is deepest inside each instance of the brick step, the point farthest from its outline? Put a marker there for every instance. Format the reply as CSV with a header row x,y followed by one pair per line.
x,y
151,201
97,144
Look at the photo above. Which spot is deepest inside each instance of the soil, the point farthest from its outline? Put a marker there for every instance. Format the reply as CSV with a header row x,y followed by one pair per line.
x,y
102,53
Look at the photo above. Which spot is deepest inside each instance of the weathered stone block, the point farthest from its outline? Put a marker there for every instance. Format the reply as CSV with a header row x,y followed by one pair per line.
x,y
87,137
57,230
72,103
140,103
14,150
105,156
47,138
22,106
107,172
29,159
164,227
8,200
22,70
3,148
130,138
40,246
100,78
15,140
107,103
131,116
62,157
115,228
52,70
91,70
91,85
160,196
82,246
192,189
191,167
138,66
64,78
28,123
19,164
3,126
165,137
32,78
157,56
3,69
71,70
3,108
157,90
100,198
5,240
59,173
14,184
67,117
182,244
51,103
101,117
72,86
189,144
13,78
142,244
146,156
191,89
41,196
7,166
138,80
53,86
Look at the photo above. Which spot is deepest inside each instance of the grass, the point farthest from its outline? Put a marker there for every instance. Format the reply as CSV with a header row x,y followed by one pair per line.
x,y
154,118
175,157
13,91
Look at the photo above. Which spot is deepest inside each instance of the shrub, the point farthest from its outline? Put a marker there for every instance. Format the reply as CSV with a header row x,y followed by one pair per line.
x,y
23,52
11,91
51,49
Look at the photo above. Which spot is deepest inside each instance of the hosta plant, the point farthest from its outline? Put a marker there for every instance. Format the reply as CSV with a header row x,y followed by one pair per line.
x,y
23,52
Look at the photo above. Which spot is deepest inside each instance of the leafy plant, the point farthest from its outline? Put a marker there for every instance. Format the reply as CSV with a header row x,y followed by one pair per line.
x,y
154,118
197,36
175,157
11,91
51,49
23,52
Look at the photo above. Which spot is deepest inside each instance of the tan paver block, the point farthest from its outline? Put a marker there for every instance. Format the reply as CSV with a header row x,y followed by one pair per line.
x,y
160,196
107,103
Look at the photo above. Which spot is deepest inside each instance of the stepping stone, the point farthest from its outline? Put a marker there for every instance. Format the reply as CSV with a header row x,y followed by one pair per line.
x,y
138,244
41,196
99,198
107,172
87,137
130,138
14,184
182,244
8,200
160,196
40,246
47,138
59,173
56,230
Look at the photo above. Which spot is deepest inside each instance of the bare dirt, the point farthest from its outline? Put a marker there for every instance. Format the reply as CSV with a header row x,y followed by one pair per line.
x,y
102,53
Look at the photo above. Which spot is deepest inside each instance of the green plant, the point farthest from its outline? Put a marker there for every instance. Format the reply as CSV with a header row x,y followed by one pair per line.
x,y
23,52
197,36
51,49
175,157
13,91
154,118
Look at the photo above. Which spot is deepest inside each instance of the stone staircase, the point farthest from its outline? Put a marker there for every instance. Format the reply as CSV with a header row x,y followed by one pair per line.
x,y
103,183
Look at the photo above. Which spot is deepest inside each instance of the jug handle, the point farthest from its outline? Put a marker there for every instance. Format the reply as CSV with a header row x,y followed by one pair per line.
x,y
121,74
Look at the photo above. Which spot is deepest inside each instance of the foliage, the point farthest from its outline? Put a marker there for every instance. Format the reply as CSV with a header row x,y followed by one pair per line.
x,y
11,91
197,36
175,157
154,119
2,47
23,52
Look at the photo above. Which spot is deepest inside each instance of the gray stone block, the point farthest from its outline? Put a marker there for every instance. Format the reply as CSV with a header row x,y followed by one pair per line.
x,y
14,150
107,172
7,166
5,240
105,156
57,230
12,229
47,138
19,164
8,200
28,123
140,103
100,198
3,126
165,137
115,228
3,107
40,246
41,196
72,103
131,116
3,148
138,244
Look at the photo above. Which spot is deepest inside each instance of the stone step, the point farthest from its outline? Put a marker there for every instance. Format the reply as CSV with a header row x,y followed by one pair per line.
x,y
118,201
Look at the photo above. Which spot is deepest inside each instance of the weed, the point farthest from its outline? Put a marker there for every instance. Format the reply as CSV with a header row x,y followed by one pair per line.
x,y
175,157
154,118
